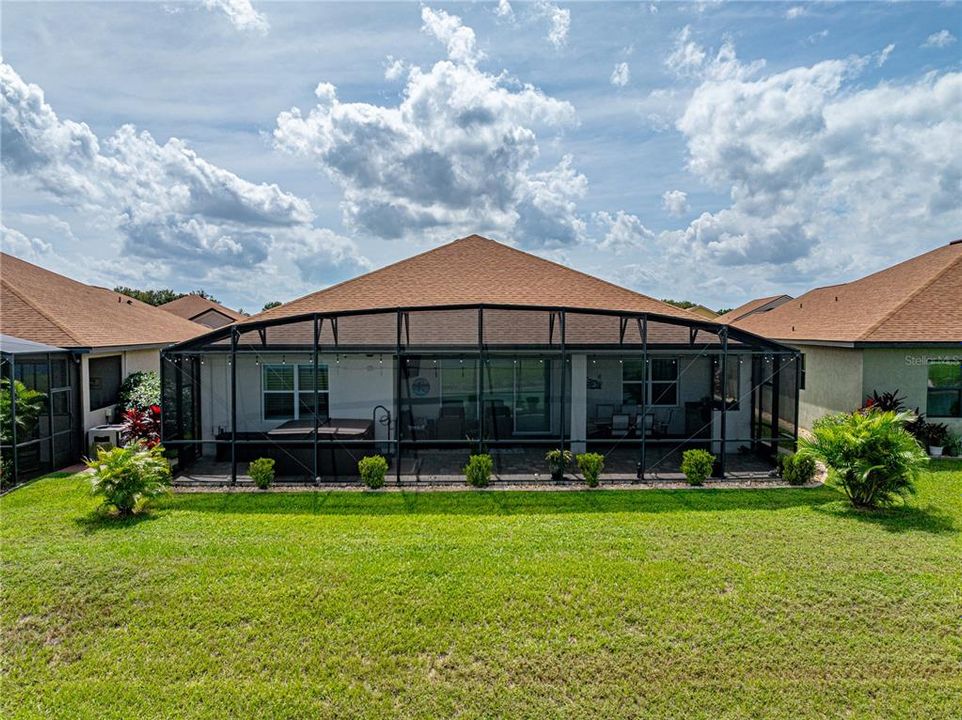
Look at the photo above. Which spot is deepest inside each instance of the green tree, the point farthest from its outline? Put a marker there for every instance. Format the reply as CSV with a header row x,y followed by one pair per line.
x,y
159,297
271,304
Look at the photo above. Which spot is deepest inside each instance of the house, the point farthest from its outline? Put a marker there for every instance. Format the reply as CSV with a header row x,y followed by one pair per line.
x,y
94,333
476,345
204,311
753,307
896,329
703,311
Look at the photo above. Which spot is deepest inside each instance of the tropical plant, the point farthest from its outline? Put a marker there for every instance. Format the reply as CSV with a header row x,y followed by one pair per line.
x,y
30,404
261,471
126,477
871,455
141,426
697,466
798,469
591,466
953,446
140,390
888,401
558,461
372,470
936,434
478,470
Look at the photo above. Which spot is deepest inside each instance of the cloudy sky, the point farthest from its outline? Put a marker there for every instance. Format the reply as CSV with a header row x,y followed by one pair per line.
x,y
712,151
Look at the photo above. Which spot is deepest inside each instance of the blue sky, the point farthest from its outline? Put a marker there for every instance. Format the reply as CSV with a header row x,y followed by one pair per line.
x,y
712,151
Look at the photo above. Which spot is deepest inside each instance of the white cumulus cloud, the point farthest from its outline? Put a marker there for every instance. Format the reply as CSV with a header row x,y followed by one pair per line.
x,y
459,152
559,22
623,232
940,39
675,202
621,75
241,14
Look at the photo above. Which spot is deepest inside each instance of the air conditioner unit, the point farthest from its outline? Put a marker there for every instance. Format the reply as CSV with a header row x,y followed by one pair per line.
x,y
103,436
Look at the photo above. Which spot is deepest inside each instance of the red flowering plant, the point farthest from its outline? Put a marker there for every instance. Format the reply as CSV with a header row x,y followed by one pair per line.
x,y
142,425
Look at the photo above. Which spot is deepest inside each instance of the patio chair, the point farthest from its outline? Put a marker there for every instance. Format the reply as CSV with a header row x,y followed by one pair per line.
x,y
620,424
664,424
451,422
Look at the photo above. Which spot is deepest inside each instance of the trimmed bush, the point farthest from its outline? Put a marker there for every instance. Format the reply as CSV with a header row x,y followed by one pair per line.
x,y
140,390
478,470
126,477
872,456
798,469
261,471
142,425
372,470
558,461
591,466
697,466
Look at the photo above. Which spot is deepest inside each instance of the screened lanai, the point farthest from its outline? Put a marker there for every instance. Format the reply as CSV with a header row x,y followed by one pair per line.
x,y
427,387
39,409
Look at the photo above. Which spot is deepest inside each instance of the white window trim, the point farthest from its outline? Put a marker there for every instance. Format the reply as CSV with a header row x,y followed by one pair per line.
x,y
296,391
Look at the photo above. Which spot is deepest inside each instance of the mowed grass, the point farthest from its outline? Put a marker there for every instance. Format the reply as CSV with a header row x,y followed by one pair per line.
x,y
602,604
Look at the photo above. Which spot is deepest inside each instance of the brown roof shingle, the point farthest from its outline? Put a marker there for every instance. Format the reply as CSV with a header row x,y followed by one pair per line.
x,y
191,306
40,305
919,300
474,271
751,307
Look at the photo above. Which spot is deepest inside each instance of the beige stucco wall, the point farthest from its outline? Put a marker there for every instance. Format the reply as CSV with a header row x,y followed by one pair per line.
x,y
833,382
131,361
905,370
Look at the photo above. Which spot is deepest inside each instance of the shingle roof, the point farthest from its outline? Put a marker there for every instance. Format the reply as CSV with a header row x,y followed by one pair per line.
x,y
40,305
471,271
751,307
919,300
191,306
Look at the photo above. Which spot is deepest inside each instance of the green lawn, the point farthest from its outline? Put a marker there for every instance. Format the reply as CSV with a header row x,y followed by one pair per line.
x,y
715,604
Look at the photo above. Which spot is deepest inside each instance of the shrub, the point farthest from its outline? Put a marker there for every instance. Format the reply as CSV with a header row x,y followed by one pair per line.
x,y
936,434
953,446
478,470
126,477
141,426
558,461
591,466
261,471
30,403
697,465
372,470
872,456
889,401
798,469
140,390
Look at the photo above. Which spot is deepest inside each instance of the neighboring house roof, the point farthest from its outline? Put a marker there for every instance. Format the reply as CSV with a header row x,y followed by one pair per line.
x,y
704,312
758,305
42,306
474,271
919,300
202,310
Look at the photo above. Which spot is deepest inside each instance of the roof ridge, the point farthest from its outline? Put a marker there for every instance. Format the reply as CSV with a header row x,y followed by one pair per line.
x,y
40,310
918,291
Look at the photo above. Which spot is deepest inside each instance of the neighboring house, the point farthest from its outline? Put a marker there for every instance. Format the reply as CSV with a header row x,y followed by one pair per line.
x,y
474,345
704,312
753,307
108,336
897,329
202,310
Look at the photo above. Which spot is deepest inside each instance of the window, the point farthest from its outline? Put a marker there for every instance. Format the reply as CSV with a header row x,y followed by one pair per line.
x,y
801,371
663,387
104,381
289,391
945,389
732,373
633,382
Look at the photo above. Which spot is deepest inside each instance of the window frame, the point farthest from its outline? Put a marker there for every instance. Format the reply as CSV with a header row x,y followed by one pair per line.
x,y
295,392
957,389
650,382
90,396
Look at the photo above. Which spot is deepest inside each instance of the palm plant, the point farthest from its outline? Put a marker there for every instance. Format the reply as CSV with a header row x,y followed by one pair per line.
x,y
127,476
30,404
871,455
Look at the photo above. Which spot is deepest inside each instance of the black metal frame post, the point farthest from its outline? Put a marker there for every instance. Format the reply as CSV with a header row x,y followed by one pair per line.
x,y
13,417
317,340
723,454
233,405
163,388
644,396
397,401
480,379
564,375
50,409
